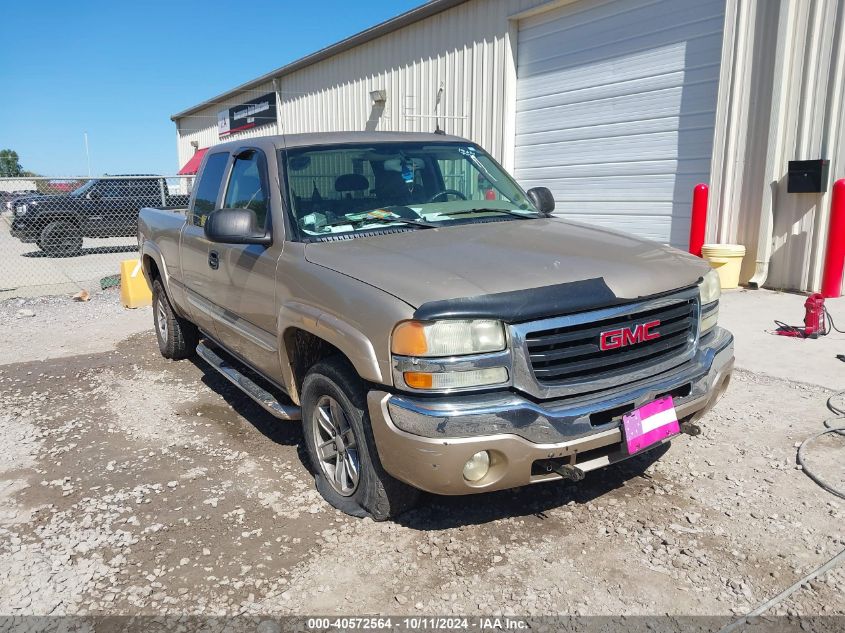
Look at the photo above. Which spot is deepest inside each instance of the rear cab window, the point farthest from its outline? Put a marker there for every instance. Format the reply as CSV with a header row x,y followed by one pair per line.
x,y
147,187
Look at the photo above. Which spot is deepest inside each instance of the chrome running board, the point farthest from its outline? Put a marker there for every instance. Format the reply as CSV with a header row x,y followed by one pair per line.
x,y
264,398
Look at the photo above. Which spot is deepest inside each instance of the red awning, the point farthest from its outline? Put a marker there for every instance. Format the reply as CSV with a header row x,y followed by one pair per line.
x,y
193,164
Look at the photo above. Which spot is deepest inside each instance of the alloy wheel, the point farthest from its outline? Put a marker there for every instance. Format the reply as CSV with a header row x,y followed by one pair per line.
x,y
161,320
337,447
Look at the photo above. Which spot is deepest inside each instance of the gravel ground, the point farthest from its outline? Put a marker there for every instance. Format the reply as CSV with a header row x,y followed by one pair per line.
x,y
134,485
40,328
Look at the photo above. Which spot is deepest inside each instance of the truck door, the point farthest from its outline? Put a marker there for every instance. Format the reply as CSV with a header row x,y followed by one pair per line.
x,y
92,208
198,267
115,207
244,283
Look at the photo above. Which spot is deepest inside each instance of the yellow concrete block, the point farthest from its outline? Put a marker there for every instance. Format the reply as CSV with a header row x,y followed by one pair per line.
x,y
134,291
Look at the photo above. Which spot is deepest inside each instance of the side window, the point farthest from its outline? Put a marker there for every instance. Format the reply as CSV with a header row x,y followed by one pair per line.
x,y
209,185
110,188
459,174
146,188
99,189
247,187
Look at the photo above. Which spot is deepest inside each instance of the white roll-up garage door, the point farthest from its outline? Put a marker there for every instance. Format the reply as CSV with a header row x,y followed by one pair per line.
x,y
615,109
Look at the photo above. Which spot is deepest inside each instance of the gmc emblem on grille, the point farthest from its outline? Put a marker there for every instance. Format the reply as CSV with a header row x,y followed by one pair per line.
x,y
614,339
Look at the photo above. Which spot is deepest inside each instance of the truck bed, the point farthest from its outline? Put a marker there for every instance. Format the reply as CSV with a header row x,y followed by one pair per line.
x,y
163,226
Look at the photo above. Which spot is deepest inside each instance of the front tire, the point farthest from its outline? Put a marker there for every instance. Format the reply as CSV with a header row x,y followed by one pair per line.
x,y
339,441
60,238
177,337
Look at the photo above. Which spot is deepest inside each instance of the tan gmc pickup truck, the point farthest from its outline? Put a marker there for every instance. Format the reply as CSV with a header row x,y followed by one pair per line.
x,y
431,324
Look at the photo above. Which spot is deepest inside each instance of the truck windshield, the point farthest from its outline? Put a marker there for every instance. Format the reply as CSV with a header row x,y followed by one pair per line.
x,y
351,188
82,189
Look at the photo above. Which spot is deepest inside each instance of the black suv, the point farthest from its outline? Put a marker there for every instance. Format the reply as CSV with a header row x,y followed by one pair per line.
x,y
101,207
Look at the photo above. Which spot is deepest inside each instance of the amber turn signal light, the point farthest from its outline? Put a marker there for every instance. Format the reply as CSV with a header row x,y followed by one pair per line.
x,y
409,339
419,380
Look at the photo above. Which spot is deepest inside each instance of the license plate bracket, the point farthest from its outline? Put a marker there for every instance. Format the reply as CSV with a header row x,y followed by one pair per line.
x,y
650,424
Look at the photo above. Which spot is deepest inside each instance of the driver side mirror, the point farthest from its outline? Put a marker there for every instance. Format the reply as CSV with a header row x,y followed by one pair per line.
x,y
542,199
93,195
236,226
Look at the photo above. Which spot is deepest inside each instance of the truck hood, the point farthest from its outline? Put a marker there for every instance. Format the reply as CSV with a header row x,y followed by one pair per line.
x,y
471,260
42,201
30,197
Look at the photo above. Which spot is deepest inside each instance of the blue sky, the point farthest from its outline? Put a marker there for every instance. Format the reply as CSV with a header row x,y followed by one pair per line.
x,y
119,69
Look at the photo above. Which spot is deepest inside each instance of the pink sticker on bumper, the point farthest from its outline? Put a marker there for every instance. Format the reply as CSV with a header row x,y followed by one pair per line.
x,y
650,424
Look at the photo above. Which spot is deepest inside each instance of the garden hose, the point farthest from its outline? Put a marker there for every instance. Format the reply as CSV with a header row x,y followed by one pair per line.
x,y
836,403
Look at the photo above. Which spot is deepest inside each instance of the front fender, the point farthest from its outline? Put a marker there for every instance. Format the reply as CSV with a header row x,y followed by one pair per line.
x,y
41,217
349,340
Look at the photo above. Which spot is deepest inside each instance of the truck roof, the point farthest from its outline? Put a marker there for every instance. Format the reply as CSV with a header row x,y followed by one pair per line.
x,y
289,141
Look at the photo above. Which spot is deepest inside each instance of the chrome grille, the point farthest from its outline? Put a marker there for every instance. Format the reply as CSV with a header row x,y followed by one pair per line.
x,y
566,352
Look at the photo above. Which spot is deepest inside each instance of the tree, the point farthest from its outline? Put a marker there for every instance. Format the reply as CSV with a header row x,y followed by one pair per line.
x,y
9,165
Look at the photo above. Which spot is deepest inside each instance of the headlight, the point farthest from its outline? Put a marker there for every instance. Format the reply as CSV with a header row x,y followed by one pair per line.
x,y
710,290
450,355
20,209
447,338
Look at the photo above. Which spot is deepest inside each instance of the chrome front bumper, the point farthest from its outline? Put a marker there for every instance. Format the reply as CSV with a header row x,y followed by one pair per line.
x,y
426,442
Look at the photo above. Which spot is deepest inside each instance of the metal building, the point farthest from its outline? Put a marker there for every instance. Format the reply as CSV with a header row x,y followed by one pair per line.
x,y
619,106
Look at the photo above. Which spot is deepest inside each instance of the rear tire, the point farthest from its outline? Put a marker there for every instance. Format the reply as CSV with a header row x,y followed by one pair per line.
x,y
177,337
334,405
60,238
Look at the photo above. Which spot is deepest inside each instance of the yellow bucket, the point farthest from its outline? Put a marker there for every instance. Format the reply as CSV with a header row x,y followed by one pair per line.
x,y
726,259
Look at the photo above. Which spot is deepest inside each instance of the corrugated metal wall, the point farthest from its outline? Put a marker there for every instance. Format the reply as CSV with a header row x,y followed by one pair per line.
x,y
813,129
782,99
463,49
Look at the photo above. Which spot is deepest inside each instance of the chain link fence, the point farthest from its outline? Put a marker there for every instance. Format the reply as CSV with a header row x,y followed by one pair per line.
x,y
62,235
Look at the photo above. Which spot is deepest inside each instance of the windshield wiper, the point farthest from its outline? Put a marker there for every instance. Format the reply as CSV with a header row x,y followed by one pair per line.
x,y
420,223
515,214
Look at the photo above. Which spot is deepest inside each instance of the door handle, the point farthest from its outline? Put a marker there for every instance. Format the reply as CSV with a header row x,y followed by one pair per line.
x,y
213,260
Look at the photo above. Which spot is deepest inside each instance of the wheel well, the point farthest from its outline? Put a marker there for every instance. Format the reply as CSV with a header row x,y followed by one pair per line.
x,y
43,221
304,350
151,267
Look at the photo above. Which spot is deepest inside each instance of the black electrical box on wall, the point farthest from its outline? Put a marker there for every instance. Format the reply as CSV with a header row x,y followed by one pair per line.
x,y
807,176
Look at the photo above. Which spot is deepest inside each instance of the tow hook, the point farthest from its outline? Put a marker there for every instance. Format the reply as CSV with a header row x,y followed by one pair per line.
x,y
691,429
567,471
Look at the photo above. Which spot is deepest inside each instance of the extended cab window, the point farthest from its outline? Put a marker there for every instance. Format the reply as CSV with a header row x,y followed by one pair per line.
x,y
146,188
248,185
208,187
113,189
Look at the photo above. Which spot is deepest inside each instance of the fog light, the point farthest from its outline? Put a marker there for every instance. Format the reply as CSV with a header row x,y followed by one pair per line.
x,y
477,466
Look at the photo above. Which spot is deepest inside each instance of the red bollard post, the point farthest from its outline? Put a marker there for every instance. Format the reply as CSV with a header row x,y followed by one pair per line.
x,y
834,260
698,222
